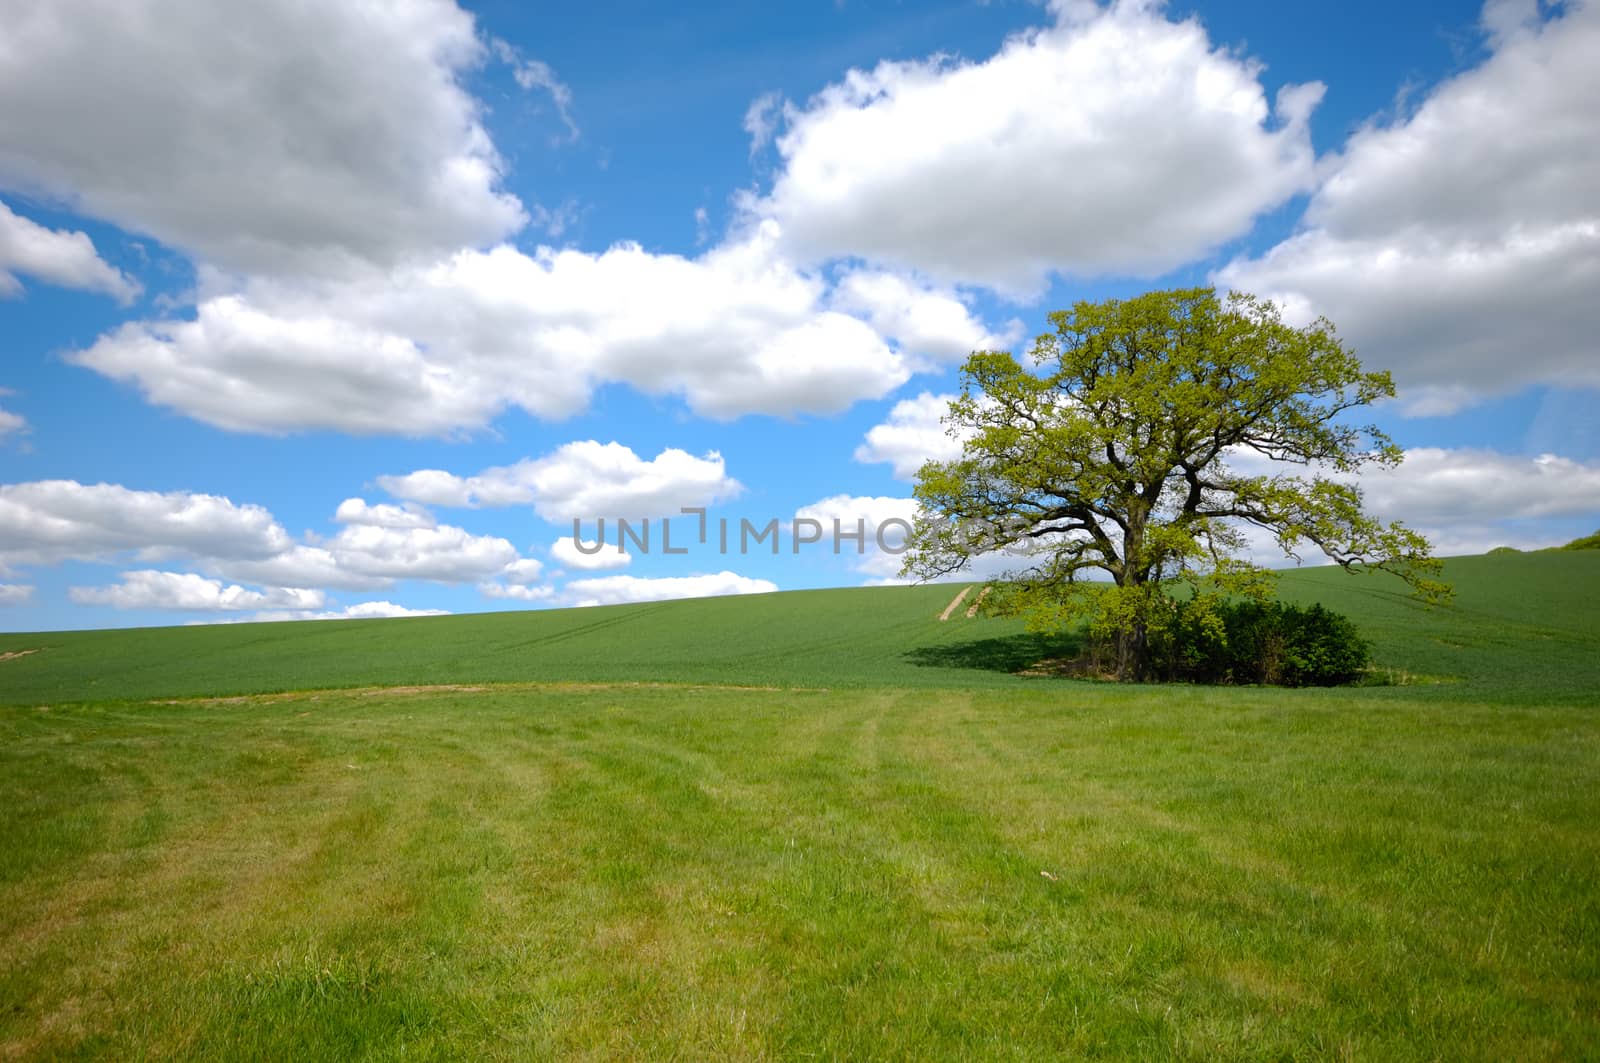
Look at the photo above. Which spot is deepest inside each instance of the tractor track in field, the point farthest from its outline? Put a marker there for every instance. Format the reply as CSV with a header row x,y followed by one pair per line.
x,y
955,603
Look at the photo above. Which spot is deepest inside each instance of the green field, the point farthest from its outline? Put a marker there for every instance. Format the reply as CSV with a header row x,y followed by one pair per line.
x,y
814,824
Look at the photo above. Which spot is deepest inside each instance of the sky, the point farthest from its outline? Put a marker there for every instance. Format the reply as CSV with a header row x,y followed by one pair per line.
x,y
346,310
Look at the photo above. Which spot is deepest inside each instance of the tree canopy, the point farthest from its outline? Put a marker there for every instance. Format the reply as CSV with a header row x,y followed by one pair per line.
x,y
1149,435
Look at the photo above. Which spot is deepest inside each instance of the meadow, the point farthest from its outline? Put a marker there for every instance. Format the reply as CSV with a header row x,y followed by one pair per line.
x,y
804,825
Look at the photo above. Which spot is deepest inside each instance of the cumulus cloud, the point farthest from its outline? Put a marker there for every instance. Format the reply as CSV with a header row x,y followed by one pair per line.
x,y
350,235
1115,141
435,349
913,435
516,592
406,515
152,589
15,594
1460,246
518,581
381,610
929,323
878,518
616,590
581,480
444,554
595,555
881,517
242,368
55,256
871,513
51,521
246,135
298,565
1464,500
524,570
1441,487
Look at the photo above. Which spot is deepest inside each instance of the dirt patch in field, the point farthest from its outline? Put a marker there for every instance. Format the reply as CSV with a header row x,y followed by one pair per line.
x,y
972,610
443,688
11,655
1064,668
457,688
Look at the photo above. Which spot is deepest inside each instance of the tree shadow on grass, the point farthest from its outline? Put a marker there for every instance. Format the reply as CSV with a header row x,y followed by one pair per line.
x,y
1010,654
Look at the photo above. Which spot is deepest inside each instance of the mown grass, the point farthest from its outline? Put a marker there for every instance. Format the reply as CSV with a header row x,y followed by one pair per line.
x,y
673,871
821,825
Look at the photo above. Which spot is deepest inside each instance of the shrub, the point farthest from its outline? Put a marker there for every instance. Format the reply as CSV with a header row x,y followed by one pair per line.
x,y
1321,648
1208,639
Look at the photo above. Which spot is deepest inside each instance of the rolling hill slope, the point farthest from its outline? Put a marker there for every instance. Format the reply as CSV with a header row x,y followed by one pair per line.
x,y
1522,625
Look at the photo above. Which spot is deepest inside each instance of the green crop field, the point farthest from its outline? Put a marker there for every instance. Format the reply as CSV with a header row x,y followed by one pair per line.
x,y
813,824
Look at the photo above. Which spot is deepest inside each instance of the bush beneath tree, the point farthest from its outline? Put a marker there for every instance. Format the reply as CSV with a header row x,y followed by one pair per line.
x,y
1208,639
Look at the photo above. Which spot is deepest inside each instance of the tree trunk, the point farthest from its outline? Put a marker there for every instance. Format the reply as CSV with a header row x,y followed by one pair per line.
x,y
1133,653
1133,642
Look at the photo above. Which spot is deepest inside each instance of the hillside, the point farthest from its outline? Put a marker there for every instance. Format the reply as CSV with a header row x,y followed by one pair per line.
x,y
1523,625
1003,868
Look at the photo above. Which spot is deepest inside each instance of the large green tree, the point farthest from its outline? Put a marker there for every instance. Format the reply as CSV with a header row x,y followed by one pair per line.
x,y
1146,437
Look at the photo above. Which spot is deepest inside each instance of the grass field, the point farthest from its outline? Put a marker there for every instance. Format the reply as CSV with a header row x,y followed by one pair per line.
x,y
814,825
1524,626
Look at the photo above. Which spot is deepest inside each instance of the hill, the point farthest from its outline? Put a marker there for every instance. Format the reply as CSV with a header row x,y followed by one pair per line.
x,y
690,851
1522,625
1587,542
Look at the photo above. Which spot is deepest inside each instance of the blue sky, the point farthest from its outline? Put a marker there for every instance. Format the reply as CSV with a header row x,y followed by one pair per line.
x,y
307,312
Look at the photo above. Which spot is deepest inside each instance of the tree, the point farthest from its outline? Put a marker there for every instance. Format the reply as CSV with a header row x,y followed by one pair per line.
x,y
1151,434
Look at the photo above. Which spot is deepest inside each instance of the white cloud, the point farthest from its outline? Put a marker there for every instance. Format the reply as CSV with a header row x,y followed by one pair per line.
x,y
298,565
870,513
1440,488
151,589
913,435
582,480
443,554
516,582
348,226
876,517
1115,141
361,611
880,562
55,256
532,74
11,423
1460,247
15,594
1466,501
53,520
616,590
930,323
599,556
406,515
247,135
431,350
523,570
516,592
761,120
241,368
